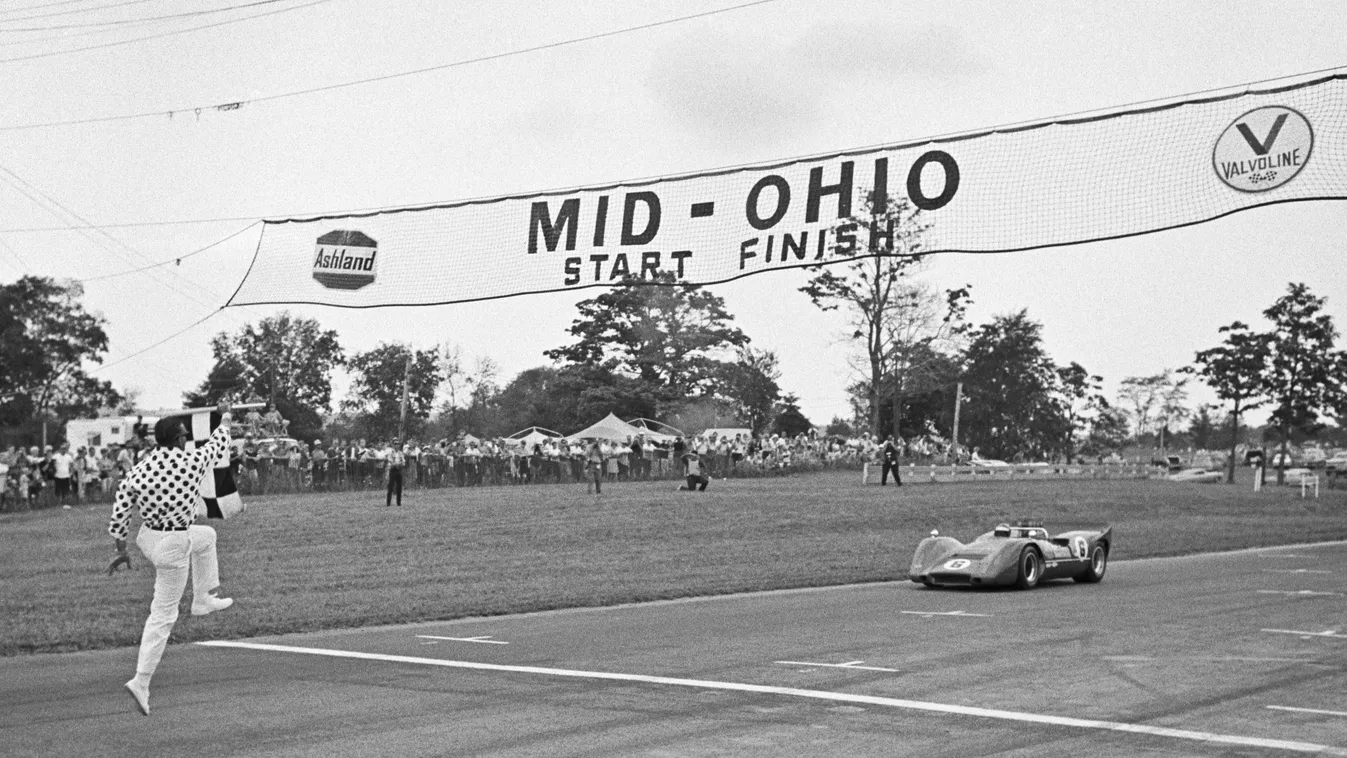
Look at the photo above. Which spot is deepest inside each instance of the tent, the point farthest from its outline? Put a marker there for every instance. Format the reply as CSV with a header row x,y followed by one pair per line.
x,y
532,436
611,428
656,431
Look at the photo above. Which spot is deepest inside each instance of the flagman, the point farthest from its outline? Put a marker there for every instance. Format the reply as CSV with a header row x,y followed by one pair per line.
x,y
163,486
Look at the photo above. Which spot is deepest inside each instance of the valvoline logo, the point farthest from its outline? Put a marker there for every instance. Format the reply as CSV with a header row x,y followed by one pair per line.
x,y
1263,149
345,260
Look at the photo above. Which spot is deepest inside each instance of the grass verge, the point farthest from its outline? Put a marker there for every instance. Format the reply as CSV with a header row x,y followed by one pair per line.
x,y
309,562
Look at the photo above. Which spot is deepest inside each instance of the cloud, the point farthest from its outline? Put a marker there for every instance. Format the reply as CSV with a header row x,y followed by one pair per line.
x,y
759,91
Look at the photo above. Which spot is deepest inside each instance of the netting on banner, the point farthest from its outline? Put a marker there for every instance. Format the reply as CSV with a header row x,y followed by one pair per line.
x,y
1038,185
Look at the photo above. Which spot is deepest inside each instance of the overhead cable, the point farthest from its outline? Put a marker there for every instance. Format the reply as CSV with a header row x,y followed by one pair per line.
x,y
137,20
105,45
372,80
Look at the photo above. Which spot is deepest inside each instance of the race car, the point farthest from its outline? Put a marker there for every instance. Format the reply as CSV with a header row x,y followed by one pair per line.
x,y
1196,475
1021,555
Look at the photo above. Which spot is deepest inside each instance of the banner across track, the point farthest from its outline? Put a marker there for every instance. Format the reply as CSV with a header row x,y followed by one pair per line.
x,y
1043,184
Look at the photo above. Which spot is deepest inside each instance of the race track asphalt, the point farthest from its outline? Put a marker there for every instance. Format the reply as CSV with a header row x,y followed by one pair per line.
x,y
1240,653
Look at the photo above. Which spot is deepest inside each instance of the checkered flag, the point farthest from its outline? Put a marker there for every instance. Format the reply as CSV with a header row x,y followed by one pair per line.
x,y
218,495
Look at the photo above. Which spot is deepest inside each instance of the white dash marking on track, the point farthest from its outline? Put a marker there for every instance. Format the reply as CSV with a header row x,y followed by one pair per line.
x,y
963,710
848,665
1306,635
1298,571
1284,555
485,639
1307,710
928,614
1302,593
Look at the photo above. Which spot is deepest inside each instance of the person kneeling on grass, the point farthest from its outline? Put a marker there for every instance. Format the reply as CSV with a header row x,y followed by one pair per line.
x,y
696,479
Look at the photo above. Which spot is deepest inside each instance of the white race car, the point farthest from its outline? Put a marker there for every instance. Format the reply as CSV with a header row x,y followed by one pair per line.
x,y
1196,475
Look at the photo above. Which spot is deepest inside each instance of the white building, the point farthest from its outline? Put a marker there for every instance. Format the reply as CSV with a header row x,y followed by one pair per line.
x,y
102,432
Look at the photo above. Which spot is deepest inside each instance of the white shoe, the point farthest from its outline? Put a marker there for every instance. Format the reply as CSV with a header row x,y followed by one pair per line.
x,y
210,604
139,694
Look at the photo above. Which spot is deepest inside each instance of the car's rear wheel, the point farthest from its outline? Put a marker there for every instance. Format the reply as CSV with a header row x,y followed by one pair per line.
x,y
1098,564
1031,569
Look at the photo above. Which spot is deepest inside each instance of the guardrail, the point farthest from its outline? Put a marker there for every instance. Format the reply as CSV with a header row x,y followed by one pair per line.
x,y
935,473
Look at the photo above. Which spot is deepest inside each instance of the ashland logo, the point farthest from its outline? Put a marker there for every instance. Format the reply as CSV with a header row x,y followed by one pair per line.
x,y
1263,149
345,260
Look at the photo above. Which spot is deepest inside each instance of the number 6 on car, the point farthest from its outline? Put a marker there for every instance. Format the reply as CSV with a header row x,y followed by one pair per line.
x,y
1021,555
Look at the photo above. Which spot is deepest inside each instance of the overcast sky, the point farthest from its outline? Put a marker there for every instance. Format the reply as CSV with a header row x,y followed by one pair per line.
x,y
774,80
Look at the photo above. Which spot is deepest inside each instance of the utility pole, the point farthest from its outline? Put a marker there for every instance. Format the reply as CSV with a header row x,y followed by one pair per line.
x,y
958,401
406,382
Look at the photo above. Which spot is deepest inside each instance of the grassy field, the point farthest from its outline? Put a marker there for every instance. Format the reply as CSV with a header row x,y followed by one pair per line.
x,y
308,562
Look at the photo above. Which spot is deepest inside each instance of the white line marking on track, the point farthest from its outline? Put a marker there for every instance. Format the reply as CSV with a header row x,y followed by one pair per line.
x,y
1326,633
1156,731
850,665
484,639
1306,593
1284,555
1298,571
928,614
1306,710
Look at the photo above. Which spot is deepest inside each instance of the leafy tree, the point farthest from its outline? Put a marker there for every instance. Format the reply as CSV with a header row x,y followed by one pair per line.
x,y
671,336
749,387
1303,374
1235,371
924,328
1108,432
840,427
1202,430
790,420
46,338
1156,402
1010,407
281,358
866,289
377,388
1081,400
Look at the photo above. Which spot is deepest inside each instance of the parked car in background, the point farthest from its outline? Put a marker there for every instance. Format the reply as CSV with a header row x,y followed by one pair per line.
x,y
1196,475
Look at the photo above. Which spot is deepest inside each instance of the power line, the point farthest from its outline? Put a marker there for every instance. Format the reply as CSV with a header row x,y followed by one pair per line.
x,y
139,20
43,200
36,56
147,349
376,79
65,13
174,261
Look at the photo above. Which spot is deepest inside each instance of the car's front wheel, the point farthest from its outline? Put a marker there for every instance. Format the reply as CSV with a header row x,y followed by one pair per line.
x,y
1098,564
1031,569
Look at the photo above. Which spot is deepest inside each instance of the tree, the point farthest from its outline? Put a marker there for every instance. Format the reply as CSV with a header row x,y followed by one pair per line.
x,y
671,336
46,338
1235,371
377,388
1108,432
1010,383
1302,377
1081,400
749,387
924,328
866,288
790,420
280,358
1202,430
1156,401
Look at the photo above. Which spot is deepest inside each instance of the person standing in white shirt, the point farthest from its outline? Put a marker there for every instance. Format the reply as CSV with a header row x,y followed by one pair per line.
x,y
63,463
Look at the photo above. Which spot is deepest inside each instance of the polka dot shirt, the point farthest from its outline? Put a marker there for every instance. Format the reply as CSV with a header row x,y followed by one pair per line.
x,y
165,486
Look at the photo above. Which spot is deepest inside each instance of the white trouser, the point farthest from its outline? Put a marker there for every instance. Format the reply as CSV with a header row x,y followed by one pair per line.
x,y
173,554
